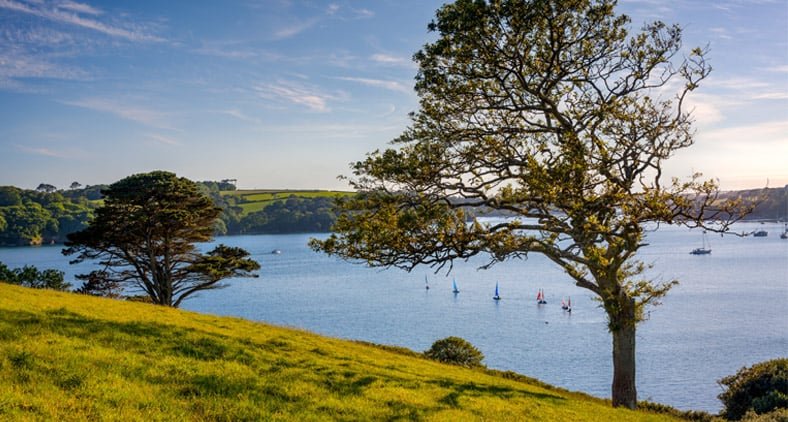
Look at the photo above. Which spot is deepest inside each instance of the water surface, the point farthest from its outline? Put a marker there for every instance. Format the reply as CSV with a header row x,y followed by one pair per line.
x,y
728,311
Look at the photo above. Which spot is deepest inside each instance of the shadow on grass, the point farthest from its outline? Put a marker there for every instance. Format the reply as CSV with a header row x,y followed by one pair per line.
x,y
472,389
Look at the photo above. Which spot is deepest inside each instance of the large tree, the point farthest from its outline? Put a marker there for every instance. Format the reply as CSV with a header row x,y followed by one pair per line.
x,y
553,112
144,236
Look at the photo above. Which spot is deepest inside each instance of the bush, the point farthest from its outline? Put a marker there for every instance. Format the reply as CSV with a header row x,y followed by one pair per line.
x,y
455,351
760,389
779,415
30,276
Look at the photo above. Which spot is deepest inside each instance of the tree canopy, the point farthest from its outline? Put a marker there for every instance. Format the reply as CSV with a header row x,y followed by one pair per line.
x,y
556,113
144,237
30,276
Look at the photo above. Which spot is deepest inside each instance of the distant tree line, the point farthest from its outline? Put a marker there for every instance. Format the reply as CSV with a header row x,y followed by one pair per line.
x,y
292,214
44,215
47,215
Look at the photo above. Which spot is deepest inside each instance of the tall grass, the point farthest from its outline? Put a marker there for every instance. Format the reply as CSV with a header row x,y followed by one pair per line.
x,y
69,357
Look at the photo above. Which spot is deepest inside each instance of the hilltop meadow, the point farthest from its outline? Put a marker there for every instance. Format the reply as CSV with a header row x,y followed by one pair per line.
x,y
75,357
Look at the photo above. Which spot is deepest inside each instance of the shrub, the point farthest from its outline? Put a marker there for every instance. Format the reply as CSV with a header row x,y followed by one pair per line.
x,y
760,388
455,351
779,415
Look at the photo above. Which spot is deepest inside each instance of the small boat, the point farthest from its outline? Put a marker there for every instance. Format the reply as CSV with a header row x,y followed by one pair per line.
x,y
426,283
704,249
563,305
540,297
569,305
760,233
454,289
276,252
497,296
784,234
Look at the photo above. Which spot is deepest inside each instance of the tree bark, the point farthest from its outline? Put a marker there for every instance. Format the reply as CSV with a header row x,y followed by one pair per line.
x,y
624,390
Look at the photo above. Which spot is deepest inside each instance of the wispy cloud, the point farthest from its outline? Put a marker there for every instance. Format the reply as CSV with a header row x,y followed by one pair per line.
x,y
164,139
46,152
137,114
744,138
234,50
781,95
294,28
779,69
240,115
379,83
79,7
68,12
389,60
294,93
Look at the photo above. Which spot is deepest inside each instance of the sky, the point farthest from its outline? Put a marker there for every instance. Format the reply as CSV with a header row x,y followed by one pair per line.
x,y
285,94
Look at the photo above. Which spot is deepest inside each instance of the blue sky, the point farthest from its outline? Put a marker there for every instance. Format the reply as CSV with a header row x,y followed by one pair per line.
x,y
285,94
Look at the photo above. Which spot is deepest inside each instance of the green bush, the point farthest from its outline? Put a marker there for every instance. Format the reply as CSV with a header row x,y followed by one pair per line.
x,y
761,388
455,351
30,276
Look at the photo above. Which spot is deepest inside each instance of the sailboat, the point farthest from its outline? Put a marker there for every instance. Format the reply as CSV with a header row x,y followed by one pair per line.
x,y
497,296
540,297
703,250
454,289
426,283
569,305
784,234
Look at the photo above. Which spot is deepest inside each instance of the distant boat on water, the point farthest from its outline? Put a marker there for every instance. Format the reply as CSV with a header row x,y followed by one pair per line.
x,y
426,283
760,233
567,306
276,252
540,300
784,234
454,289
704,249
497,296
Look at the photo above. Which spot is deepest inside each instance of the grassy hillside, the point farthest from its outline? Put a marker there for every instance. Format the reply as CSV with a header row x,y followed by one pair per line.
x,y
70,357
256,199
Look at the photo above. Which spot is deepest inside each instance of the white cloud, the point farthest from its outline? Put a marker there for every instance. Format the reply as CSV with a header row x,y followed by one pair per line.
x,y
238,114
164,139
294,29
17,64
780,69
141,115
71,16
781,95
46,152
293,93
388,59
379,83
754,138
79,7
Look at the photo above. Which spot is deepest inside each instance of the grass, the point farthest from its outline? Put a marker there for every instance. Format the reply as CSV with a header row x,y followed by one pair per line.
x,y
256,199
70,357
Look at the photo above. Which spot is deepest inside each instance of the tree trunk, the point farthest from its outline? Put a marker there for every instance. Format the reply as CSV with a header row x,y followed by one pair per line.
x,y
624,390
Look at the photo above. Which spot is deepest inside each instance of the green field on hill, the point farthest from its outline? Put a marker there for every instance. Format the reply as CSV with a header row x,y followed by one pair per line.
x,y
65,356
253,200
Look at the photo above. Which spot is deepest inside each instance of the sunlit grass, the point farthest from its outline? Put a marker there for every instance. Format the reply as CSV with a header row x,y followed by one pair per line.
x,y
257,199
70,357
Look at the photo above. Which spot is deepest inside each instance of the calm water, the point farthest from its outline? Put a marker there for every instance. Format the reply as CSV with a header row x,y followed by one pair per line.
x,y
728,311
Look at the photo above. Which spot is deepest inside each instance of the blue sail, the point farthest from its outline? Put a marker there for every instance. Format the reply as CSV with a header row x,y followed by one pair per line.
x,y
454,286
497,296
